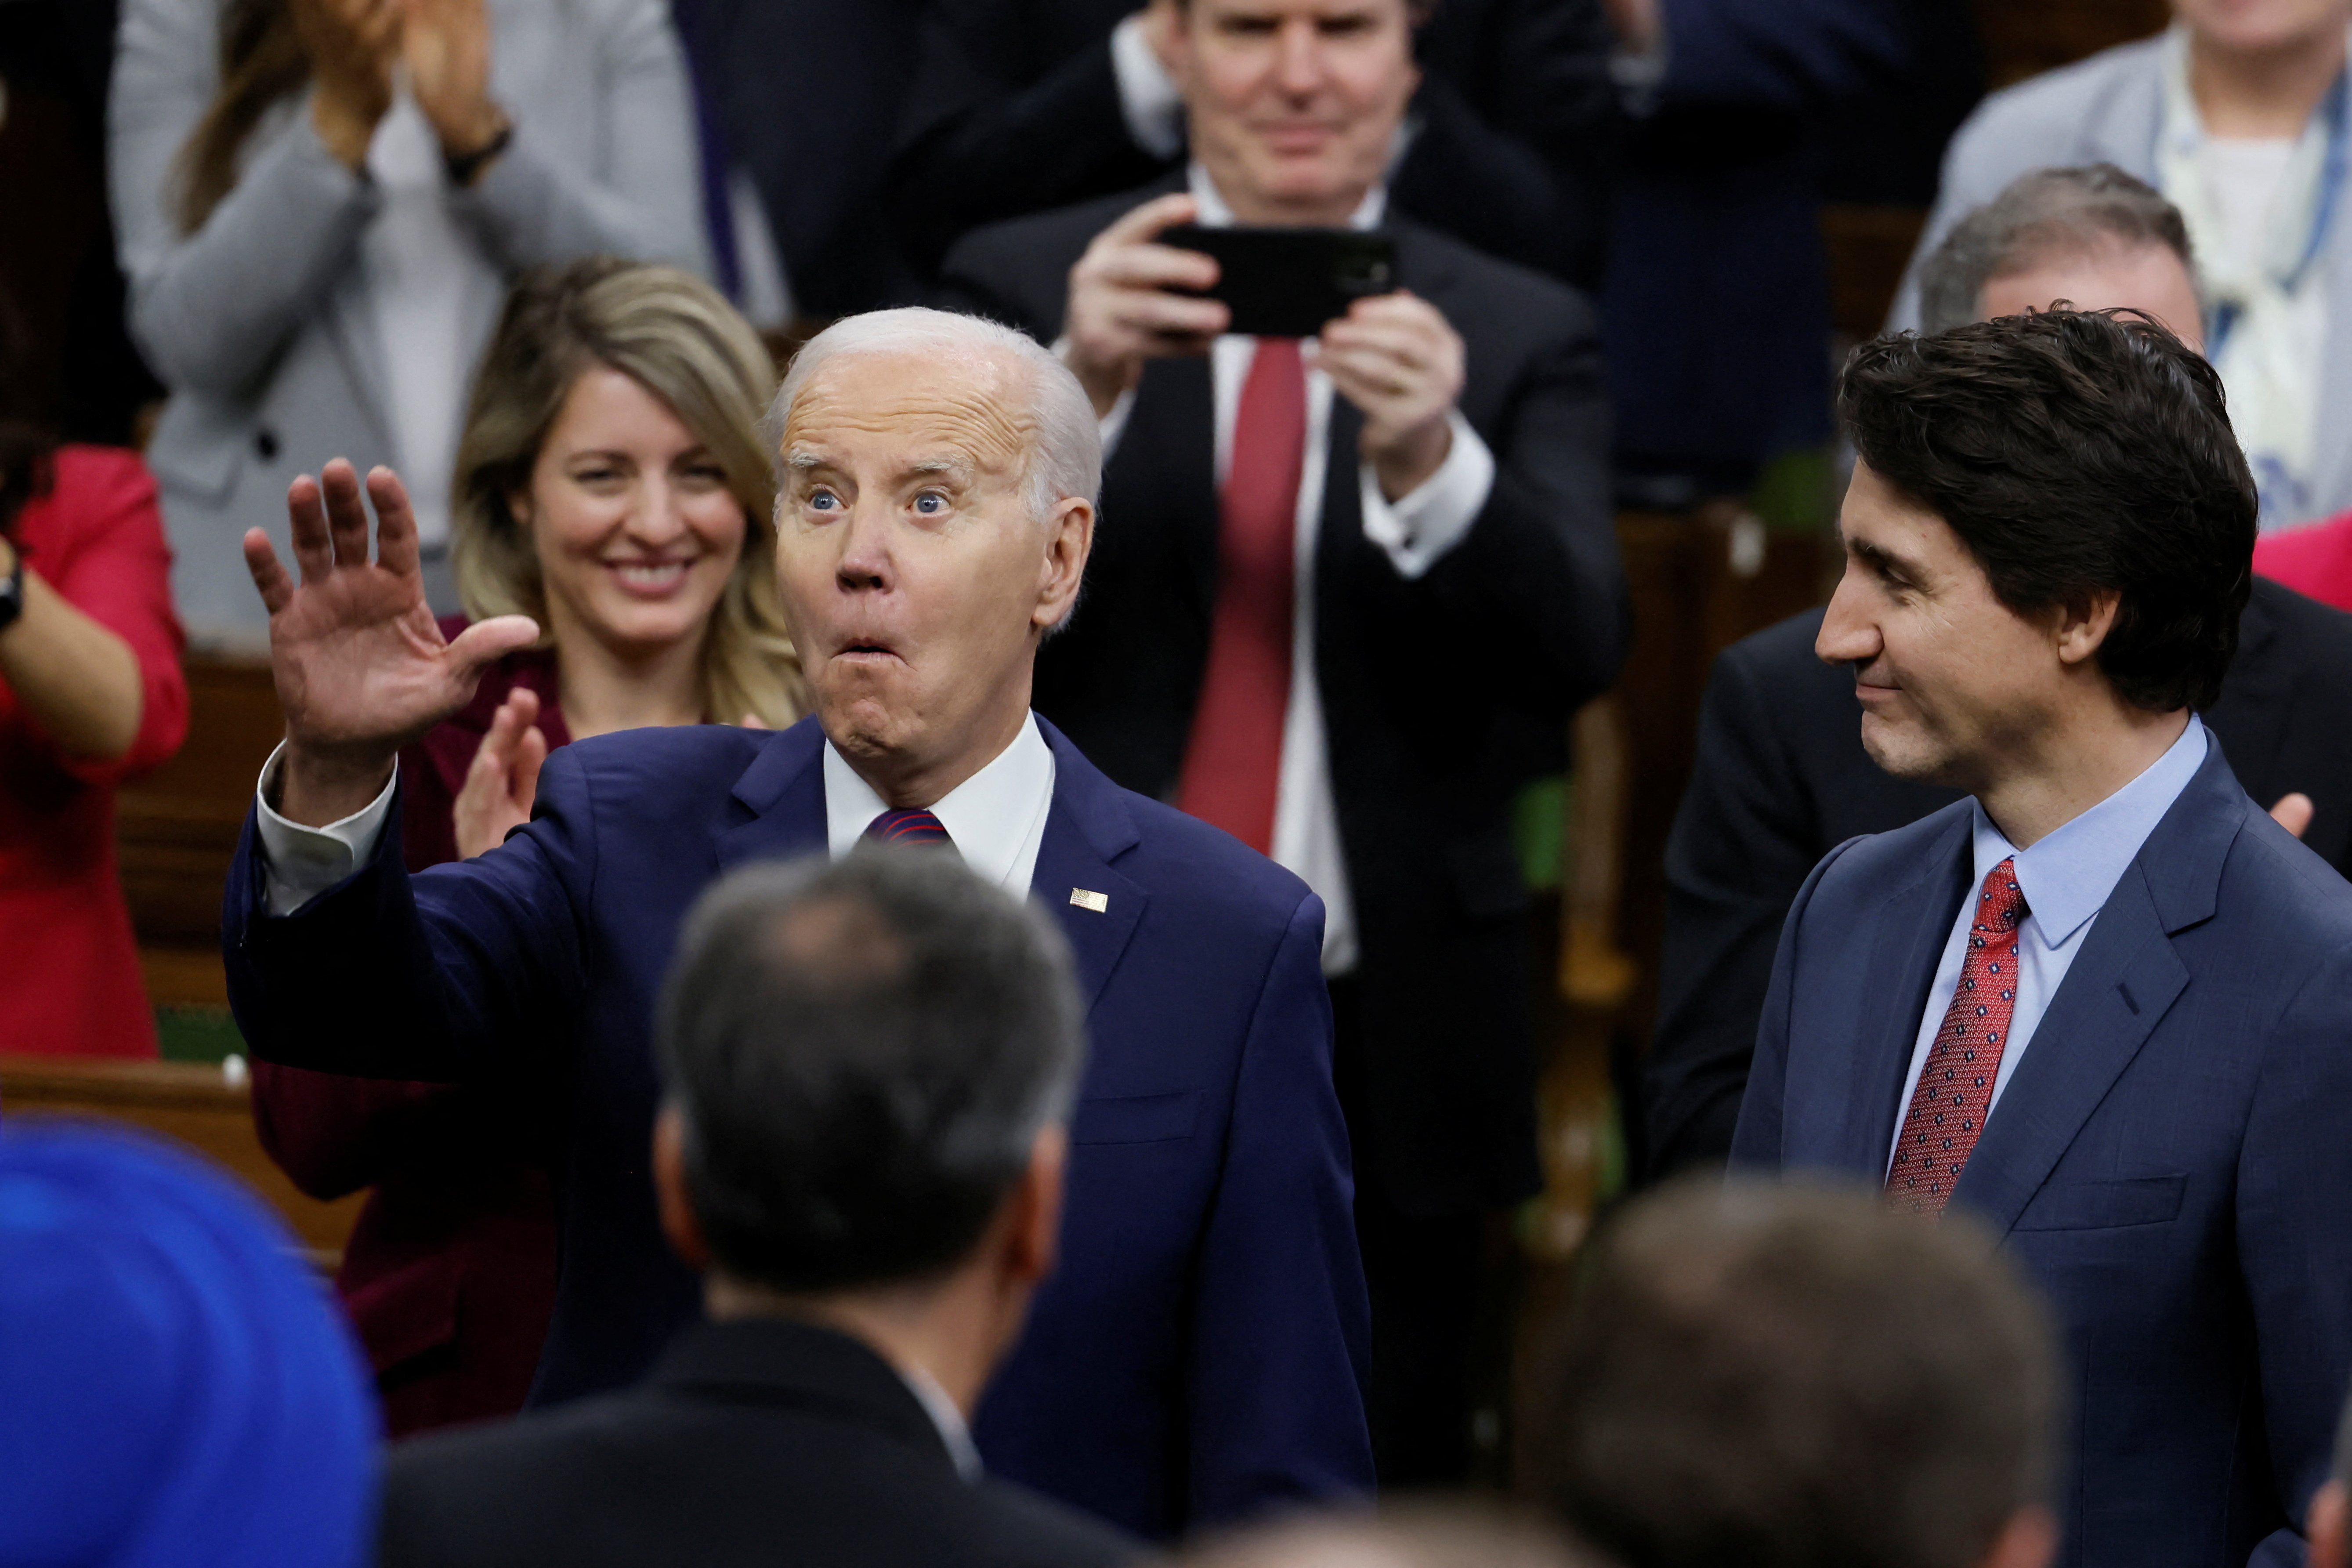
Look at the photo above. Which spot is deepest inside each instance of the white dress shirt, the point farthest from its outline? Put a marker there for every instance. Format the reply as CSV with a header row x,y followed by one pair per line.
x,y
1415,533
996,819
2066,879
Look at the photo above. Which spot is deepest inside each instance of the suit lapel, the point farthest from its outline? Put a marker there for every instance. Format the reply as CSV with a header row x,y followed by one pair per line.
x,y
1088,827
779,801
2116,992
1160,462
1914,924
2118,986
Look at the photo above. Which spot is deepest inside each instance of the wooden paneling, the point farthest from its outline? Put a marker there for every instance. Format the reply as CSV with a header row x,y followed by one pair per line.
x,y
197,1106
176,828
1868,247
2026,37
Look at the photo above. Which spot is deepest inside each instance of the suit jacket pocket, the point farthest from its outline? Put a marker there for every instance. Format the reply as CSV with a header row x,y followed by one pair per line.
x,y
2104,1206
1135,1118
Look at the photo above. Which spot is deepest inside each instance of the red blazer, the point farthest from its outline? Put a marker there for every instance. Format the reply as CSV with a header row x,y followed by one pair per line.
x,y
2315,560
449,1275
68,964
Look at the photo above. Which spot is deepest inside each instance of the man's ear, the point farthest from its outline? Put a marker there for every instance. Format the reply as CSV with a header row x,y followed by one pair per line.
x,y
1033,1232
678,1221
2083,628
2030,1539
1069,540
2329,1529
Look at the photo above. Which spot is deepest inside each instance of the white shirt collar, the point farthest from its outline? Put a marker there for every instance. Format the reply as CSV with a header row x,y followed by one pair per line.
x,y
1216,213
2067,876
953,1430
995,817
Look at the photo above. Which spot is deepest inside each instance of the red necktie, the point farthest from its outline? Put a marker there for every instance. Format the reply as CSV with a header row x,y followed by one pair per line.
x,y
914,826
1955,1090
1233,762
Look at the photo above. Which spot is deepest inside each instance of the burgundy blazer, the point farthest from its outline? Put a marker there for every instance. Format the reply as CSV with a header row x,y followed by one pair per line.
x,y
449,1276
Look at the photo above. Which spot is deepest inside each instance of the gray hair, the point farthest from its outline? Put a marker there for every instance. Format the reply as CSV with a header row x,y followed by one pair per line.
x,y
1067,459
863,1054
2048,213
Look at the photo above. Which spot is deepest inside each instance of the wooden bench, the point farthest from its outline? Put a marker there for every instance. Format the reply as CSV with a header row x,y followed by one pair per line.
x,y
176,830
195,1105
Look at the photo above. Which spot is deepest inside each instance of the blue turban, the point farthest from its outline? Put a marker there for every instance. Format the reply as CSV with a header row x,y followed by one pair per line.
x,y
176,1390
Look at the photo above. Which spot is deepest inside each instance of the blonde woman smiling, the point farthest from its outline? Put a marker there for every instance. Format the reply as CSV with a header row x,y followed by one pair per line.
x,y
611,485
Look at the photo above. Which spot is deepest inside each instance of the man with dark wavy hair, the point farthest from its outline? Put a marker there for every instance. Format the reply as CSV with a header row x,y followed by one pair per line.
x,y
2105,1002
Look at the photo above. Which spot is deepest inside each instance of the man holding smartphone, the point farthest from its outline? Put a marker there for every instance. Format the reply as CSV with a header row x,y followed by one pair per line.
x,y
1348,590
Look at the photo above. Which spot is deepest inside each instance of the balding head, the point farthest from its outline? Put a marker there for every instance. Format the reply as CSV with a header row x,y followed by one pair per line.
x,y
935,507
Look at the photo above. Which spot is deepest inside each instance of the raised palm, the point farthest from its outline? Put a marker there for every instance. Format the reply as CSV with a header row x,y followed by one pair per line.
x,y
362,670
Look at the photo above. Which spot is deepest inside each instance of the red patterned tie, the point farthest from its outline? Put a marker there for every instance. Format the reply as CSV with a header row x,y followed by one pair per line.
x,y
1232,761
913,827
1947,1108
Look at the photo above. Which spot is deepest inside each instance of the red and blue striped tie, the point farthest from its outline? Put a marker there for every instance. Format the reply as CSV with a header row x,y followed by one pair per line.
x,y
917,827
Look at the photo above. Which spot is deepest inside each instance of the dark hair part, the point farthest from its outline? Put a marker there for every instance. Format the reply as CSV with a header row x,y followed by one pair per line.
x,y
2076,452
1793,1376
863,1053
2037,217
262,62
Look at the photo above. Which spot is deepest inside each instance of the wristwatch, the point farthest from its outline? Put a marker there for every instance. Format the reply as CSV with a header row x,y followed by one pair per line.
x,y
463,167
12,589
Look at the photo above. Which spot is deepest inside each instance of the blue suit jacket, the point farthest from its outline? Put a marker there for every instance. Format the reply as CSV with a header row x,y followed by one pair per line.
x,y
2171,1160
1198,1353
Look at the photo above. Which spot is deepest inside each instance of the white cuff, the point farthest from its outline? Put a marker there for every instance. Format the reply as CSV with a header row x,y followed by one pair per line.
x,y
298,863
1148,99
1417,529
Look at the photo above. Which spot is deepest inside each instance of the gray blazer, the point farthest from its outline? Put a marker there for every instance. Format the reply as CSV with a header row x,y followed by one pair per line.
x,y
260,322
2109,109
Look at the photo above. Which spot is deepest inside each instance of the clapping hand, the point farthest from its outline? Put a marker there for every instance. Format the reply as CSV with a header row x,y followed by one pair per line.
x,y
447,47
361,666
351,45
503,780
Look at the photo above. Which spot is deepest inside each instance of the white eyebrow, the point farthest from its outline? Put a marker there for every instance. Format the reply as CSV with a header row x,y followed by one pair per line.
x,y
800,457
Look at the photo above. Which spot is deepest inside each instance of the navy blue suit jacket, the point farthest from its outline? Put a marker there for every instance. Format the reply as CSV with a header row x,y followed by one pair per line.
x,y
1196,1356
2170,1160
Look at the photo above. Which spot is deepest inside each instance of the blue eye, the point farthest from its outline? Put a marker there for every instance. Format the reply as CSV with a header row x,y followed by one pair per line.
x,y
823,500
931,503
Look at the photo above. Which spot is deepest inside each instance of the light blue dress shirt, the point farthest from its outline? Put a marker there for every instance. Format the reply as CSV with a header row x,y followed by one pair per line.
x,y
2066,878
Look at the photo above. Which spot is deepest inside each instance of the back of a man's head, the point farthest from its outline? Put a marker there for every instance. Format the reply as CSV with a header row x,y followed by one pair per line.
x,y
2038,218
861,1056
1763,1376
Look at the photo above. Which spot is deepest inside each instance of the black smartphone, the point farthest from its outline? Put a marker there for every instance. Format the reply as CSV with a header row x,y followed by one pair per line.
x,y
1286,282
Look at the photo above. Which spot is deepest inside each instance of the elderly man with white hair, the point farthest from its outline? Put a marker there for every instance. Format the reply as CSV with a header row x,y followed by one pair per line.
x,y
1196,1357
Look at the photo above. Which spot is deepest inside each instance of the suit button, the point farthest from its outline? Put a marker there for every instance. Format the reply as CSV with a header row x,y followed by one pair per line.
x,y
265,445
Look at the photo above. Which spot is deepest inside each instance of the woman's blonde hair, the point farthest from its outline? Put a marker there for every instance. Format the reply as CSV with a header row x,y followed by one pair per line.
x,y
674,336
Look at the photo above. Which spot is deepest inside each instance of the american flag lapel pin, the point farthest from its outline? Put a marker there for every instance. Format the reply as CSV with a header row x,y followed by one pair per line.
x,y
1088,899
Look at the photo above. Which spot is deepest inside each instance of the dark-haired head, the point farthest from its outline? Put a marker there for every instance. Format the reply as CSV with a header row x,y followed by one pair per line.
x,y
2048,511
861,1061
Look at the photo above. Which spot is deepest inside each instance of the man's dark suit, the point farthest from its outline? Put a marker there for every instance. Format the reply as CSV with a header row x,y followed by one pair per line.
x,y
1195,1356
2169,1159
1781,778
753,1442
1015,110
1442,696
